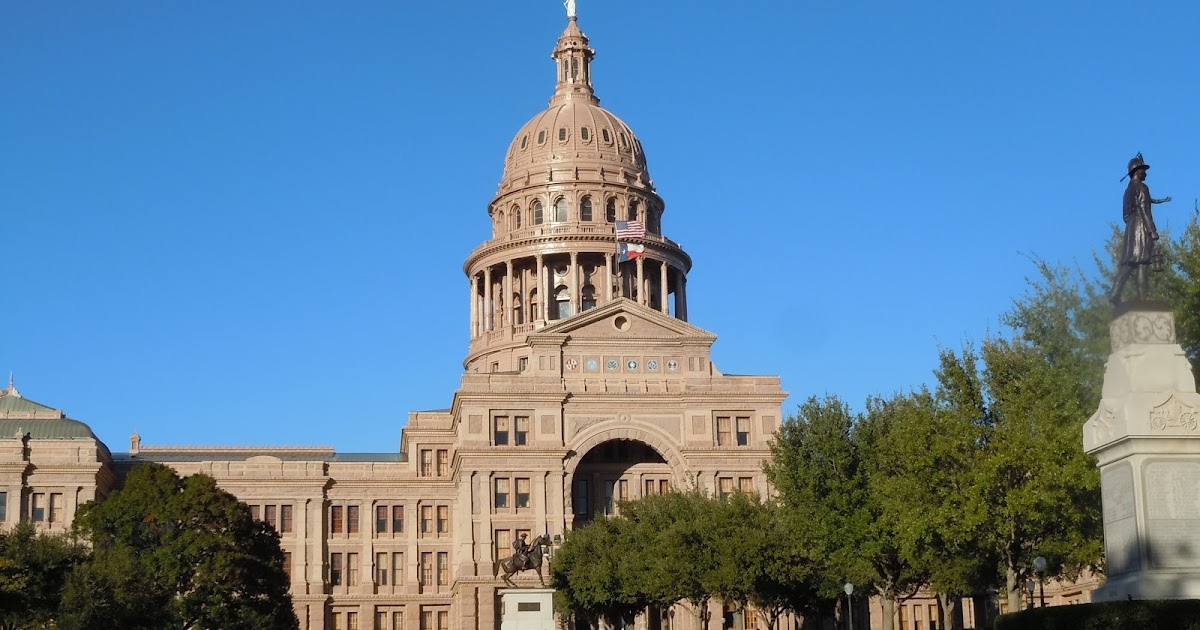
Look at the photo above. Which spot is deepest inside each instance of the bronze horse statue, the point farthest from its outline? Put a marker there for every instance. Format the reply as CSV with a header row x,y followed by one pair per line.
x,y
530,560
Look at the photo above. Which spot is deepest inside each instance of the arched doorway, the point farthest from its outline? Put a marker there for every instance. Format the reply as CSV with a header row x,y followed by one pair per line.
x,y
616,470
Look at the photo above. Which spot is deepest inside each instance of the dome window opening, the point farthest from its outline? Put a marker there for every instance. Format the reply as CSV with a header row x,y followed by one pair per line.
x,y
585,134
562,303
633,211
516,215
524,141
654,221
518,312
585,209
562,134
542,137
574,68
606,136
610,210
560,210
624,141
537,213
589,297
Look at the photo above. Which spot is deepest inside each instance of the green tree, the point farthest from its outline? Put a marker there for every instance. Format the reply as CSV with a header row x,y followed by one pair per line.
x,y
172,553
33,569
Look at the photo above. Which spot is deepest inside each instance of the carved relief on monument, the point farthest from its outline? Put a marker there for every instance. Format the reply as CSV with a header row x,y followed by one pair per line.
x,y
1174,414
1102,425
1120,522
1172,498
1142,327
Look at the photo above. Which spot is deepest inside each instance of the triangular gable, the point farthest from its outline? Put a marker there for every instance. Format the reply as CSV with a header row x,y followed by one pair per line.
x,y
600,319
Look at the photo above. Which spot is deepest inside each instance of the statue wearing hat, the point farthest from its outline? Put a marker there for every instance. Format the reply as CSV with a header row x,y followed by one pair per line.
x,y
1137,248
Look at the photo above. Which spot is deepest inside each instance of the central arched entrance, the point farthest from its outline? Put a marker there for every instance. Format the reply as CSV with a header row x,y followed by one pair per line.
x,y
613,471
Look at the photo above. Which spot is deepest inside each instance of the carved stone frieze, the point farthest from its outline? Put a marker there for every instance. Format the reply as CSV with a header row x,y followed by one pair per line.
x,y
1174,414
1142,327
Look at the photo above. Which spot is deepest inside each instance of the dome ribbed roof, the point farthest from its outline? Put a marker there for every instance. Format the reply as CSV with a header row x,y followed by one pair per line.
x,y
574,128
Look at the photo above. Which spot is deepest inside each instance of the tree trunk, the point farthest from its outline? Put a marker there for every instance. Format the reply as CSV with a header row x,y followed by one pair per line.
x,y
951,618
1013,582
888,602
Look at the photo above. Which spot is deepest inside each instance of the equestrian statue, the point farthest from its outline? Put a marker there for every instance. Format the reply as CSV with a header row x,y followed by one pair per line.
x,y
526,557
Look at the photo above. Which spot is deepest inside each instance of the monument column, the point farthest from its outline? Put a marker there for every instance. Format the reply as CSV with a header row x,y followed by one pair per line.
x,y
576,303
641,287
542,272
474,310
509,310
487,298
662,288
608,278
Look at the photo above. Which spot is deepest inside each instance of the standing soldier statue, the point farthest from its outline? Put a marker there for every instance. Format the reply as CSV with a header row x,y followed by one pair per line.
x,y
1137,248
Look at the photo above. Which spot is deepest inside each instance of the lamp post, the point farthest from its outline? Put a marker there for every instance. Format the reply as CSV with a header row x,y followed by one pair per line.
x,y
1029,589
1039,565
849,588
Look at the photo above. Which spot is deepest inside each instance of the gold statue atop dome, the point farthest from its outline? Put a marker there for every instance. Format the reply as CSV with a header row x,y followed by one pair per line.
x,y
570,4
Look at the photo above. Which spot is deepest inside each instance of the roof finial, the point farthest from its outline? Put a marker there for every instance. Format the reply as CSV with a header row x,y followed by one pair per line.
x,y
570,4
12,390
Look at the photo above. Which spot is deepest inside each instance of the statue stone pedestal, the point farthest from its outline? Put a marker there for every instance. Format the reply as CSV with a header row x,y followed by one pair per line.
x,y
1146,437
526,609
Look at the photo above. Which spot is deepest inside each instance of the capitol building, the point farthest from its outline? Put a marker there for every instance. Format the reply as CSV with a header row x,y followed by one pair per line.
x,y
584,384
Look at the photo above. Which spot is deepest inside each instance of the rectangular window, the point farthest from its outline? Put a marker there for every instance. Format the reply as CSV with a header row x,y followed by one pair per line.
x,y
743,430
287,565
381,519
426,519
609,488
38,507
746,484
426,568
381,569
381,620
523,363
522,493
426,462
582,499
3,506
255,513
397,568
751,617
337,621
522,432
56,507
285,519
351,621
443,620
443,519
352,519
725,487
664,486
397,519
335,569
650,488
427,620
397,621
500,434
501,493
623,490
443,568
336,524
503,543
443,463
352,569
269,512
723,431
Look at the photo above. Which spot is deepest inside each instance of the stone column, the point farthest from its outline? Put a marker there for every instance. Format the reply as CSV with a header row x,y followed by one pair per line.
x,y
543,294
366,574
662,288
509,311
574,288
487,299
679,294
641,287
474,309
463,532
683,292
608,277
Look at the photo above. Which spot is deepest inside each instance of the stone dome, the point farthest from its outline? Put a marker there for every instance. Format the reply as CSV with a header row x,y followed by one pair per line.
x,y
574,129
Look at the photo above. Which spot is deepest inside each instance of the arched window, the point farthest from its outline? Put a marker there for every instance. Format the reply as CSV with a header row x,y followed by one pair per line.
x,y
610,210
654,221
533,305
560,210
562,303
633,211
584,134
518,312
516,217
537,213
585,209
574,68
589,296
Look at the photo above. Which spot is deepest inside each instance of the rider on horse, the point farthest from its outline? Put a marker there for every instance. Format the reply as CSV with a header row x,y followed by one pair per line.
x,y
520,551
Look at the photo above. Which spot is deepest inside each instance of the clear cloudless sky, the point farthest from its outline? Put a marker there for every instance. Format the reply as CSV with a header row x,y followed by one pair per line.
x,y
244,222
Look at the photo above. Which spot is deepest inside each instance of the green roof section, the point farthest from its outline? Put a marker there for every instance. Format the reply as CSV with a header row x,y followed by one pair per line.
x,y
12,403
46,429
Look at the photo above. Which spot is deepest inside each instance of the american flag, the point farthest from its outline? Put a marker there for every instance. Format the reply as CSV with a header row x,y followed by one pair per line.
x,y
630,229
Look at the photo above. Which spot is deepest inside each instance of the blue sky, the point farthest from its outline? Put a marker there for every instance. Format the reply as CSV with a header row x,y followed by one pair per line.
x,y
244,222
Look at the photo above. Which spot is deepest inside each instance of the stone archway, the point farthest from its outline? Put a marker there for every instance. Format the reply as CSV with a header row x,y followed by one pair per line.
x,y
615,461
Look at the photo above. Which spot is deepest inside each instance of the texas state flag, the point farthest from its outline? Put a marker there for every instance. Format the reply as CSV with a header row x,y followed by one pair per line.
x,y
629,251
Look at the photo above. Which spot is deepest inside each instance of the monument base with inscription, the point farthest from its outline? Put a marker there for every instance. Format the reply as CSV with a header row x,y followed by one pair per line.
x,y
526,608
1146,438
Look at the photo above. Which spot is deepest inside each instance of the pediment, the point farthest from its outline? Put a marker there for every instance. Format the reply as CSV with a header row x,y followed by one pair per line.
x,y
625,319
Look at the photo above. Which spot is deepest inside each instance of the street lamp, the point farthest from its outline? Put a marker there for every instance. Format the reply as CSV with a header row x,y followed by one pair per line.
x,y
849,588
1039,565
1029,588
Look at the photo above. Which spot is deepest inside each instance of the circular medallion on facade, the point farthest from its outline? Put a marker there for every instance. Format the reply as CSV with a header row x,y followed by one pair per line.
x,y
611,364
571,363
672,366
591,365
652,365
631,364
